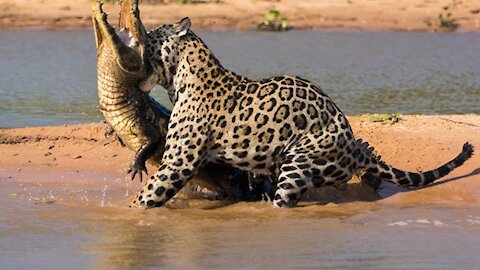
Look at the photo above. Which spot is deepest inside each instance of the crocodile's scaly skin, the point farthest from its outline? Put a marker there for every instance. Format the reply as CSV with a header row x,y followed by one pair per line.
x,y
126,108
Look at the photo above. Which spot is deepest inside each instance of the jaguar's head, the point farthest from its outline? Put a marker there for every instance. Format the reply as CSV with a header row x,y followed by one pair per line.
x,y
165,45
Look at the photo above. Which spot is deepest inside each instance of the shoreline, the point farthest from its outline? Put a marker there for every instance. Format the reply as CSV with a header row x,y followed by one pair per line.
x,y
80,155
408,15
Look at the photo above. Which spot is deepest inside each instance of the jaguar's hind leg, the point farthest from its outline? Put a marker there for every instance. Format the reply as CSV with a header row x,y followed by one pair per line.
x,y
295,178
302,173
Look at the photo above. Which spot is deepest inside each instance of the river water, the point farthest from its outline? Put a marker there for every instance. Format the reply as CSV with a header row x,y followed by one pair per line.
x,y
57,220
87,225
48,77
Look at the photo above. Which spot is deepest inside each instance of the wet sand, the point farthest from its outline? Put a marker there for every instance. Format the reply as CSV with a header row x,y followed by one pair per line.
x,y
405,15
64,195
79,155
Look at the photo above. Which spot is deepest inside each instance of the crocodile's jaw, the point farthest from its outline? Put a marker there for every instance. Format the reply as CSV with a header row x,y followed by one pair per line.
x,y
128,45
130,20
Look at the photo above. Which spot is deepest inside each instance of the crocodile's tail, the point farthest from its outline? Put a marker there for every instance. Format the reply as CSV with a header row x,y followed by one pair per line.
x,y
388,173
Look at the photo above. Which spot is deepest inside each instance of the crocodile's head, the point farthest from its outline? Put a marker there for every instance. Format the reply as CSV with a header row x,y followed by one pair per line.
x,y
123,51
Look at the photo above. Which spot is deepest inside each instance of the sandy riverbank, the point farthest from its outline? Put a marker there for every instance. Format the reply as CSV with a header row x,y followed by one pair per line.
x,y
406,15
53,154
63,191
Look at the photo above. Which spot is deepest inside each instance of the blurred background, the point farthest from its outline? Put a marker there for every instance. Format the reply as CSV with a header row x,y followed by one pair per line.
x,y
370,56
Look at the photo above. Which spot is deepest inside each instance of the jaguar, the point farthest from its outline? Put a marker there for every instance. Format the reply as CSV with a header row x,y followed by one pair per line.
x,y
284,127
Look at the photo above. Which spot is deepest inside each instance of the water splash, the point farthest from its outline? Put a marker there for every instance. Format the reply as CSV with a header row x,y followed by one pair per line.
x,y
104,194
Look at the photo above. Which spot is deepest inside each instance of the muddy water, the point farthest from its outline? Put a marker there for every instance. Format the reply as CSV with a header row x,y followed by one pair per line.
x,y
76,221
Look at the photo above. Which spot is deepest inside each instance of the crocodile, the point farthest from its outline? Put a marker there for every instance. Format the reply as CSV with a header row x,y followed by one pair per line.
x,y
139,121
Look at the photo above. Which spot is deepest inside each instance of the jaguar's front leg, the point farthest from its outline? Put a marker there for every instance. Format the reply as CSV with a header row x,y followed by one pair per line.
x,y
164,185
181,161
185,153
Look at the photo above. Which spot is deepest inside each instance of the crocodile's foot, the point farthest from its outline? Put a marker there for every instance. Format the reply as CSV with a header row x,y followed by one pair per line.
x,y
138,167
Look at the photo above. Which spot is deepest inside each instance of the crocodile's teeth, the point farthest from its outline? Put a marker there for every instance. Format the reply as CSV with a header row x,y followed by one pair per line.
x,y
205,193
124,36
127,38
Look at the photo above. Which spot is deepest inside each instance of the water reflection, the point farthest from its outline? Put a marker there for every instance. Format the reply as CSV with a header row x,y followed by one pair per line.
x,y
185,239
365,234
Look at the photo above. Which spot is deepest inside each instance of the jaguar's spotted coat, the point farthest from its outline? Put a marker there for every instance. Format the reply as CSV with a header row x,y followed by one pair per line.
x,y
283,126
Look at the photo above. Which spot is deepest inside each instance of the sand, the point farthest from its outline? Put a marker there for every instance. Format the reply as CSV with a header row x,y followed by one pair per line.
x,y
405,15
80,152
63,205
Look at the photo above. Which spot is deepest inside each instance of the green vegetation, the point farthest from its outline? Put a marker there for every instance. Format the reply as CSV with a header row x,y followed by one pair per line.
x,y
446,21
388,118
271,22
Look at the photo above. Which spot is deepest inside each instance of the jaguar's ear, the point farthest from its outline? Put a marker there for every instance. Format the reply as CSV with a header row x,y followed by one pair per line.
x,y
181,28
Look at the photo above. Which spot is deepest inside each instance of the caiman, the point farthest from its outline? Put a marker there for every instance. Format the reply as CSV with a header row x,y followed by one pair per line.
x,y
138,120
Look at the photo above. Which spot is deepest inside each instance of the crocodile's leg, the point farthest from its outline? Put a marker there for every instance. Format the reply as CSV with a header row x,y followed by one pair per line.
x,y
109,132
151,141
141,158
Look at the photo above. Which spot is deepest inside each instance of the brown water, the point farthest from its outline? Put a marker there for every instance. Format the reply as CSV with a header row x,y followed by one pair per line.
x,y
83,223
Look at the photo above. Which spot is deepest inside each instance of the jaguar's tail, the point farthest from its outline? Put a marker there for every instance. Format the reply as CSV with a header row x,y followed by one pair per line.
x,y
388,173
